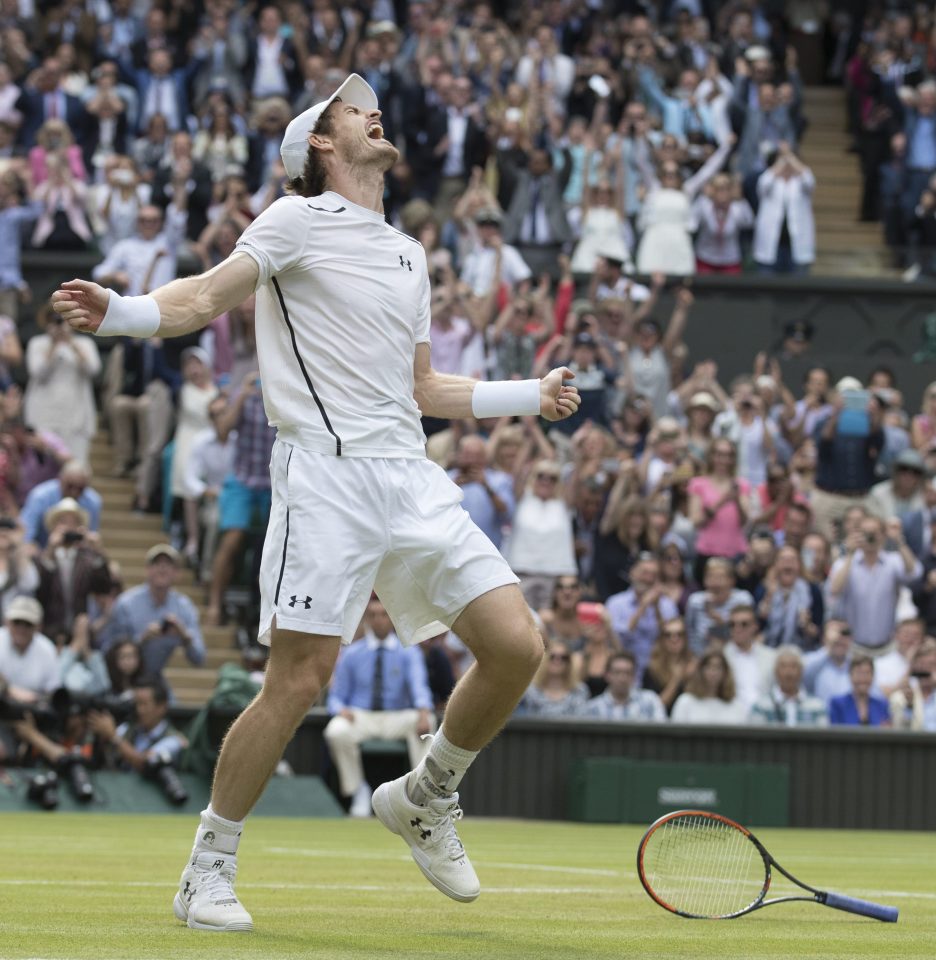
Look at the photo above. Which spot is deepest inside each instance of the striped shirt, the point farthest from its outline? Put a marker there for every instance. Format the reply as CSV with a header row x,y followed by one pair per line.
x,y
640,705
254,445
801,710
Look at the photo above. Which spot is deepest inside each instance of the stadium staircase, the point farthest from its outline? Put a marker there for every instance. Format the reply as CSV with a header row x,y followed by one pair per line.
x,y
126,537
844,245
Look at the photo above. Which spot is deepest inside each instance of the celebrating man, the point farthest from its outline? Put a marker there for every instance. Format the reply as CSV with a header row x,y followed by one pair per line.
x,y
343,342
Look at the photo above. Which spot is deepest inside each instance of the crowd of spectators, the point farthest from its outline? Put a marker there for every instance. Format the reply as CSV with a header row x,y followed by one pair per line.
x,y
694,549
891,80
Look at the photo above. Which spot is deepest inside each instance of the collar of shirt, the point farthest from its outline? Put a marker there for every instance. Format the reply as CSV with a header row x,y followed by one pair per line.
x,y
780,697
390,642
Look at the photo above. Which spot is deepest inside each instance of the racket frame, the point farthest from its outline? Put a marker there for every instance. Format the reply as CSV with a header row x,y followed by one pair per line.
x,y
818,896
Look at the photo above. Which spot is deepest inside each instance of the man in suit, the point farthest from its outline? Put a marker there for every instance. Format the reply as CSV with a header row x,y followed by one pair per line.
x,y
536,222
46,100
182,168
379,691
461,146
272,65
164,90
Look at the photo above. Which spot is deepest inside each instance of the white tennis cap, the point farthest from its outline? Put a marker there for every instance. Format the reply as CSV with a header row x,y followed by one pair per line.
x,y
295,145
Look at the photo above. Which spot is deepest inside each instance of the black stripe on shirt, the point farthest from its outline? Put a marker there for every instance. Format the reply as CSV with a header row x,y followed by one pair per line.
x,y
279,581
406,236
302,367
325,209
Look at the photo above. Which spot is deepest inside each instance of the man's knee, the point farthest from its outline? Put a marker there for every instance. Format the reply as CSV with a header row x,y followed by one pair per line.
x,y
516,648
338,730
300,665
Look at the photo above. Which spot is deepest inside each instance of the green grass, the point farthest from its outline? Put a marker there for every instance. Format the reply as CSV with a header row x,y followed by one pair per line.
x,y
100,887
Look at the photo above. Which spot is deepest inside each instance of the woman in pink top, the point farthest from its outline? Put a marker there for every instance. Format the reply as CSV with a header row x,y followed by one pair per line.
x,y
923,428
717,506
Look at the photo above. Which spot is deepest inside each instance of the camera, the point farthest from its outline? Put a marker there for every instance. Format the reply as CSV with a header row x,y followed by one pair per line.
x,y
74,770
67,703
43,790
159,768
71,537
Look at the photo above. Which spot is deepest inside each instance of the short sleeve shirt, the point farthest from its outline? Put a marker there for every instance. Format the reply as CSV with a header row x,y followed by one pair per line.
x,y
342,301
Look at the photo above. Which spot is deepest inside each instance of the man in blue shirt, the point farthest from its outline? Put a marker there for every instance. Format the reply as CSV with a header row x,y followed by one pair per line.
x,y
379,691
72,481
848,447
156,616
487,494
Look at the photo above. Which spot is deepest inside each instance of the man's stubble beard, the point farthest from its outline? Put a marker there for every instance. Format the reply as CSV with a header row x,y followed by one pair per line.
x,y
363,160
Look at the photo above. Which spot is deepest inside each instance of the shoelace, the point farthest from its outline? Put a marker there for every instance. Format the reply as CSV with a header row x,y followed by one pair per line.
x,y
217,885
445,813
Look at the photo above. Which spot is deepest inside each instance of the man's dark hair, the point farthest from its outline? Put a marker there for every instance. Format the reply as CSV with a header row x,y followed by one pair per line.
x,y
313,179
158,687
625,655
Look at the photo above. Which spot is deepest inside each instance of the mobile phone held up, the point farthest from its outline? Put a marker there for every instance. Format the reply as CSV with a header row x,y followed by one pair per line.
x,y
589,613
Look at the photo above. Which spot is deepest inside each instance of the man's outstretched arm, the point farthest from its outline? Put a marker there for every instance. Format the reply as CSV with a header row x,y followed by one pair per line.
x,y
454,398
180,307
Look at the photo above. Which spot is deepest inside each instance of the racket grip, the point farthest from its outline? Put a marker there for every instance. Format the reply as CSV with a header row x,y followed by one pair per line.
x,y
865,907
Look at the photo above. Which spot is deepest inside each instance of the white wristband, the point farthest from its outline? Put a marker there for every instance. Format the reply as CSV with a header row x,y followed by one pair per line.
x,y
506,398
129,317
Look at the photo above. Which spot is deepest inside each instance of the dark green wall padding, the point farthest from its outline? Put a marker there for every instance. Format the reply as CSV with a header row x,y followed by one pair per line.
x,y
128,793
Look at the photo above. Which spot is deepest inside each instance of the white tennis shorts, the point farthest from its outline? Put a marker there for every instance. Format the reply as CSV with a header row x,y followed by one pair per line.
x,y
341,527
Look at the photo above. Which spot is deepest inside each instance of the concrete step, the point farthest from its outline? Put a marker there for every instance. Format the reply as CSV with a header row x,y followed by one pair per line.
x,y
192,678
214,658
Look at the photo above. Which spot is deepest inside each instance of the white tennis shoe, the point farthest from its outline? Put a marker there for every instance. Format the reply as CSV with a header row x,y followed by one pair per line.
x,y
206,898
430,832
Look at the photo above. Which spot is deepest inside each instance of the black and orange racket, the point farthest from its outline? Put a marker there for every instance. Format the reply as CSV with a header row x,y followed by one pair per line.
x,y
704,866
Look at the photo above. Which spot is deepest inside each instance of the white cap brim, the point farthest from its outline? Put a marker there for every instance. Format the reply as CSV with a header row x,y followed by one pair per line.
x,y
295,144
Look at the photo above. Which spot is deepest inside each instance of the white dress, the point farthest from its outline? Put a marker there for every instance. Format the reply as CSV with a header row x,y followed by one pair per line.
x,y
59,395
602,234
541,541
707,710
666,244
192,419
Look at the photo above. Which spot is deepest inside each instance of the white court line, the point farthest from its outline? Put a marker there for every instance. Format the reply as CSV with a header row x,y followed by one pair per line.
x,y
383,888
353,887
541,867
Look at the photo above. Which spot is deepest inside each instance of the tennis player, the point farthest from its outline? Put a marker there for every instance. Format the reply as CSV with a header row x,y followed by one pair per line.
x,y
343,344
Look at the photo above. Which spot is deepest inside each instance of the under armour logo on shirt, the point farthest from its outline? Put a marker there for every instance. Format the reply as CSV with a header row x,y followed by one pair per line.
x,y
406,263
307,603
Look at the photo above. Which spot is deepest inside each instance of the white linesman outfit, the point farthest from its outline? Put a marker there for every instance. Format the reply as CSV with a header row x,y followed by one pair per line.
x,y
342,301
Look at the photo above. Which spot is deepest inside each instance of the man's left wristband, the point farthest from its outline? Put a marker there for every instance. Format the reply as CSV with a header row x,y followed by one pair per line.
x,y
130,317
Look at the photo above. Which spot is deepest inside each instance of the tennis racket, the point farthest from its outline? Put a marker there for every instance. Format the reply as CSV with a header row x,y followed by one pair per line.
x,y
706,867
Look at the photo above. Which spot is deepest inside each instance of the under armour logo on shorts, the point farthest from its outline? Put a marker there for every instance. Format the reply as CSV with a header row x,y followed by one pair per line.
x,y
406,263
307,603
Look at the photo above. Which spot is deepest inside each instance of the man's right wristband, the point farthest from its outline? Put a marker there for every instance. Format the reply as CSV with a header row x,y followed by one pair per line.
x,y
130,317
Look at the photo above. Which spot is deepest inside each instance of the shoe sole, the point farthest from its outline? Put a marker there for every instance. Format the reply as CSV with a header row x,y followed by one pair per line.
x,y
385,814
181,913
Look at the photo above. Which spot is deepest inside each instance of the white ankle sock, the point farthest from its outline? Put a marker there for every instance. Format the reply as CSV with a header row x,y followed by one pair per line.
x,y
216,834
440,772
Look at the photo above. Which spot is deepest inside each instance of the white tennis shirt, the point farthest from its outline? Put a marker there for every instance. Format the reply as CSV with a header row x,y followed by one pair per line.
x,y
342,301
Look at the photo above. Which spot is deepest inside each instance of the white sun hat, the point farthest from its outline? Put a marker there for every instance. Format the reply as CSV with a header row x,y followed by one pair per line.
x,y
295,144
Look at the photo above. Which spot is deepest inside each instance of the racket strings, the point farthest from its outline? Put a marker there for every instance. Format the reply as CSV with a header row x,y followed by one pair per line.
x,y
703,867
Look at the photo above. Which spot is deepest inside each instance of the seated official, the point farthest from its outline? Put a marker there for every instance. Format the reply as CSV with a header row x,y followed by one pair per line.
x,y
379,691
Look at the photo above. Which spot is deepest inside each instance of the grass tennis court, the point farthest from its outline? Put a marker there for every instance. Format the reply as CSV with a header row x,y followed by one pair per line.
x,y
94,887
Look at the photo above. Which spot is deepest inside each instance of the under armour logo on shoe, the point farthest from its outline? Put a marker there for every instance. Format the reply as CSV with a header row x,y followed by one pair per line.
x,y
307,603
417,825
406,263
189,891
209,838
217,865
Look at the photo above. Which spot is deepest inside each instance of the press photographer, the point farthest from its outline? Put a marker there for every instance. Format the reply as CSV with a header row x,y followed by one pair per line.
x,y
29,667
147,743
